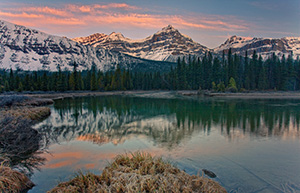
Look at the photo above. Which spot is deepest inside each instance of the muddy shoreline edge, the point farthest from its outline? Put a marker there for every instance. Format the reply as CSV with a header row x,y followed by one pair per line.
x,y
172,94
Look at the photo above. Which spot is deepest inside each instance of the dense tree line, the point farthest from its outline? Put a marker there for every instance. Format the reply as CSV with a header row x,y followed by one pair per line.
x,y
230,72
235,72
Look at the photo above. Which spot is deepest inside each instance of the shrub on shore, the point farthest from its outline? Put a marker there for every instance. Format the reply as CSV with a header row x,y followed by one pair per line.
x,y
139,172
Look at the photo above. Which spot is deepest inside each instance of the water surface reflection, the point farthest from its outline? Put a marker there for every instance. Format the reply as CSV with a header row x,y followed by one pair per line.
x,y
169,122
252,145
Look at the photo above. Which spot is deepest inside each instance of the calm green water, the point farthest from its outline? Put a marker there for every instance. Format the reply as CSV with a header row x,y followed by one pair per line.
x,y
251,145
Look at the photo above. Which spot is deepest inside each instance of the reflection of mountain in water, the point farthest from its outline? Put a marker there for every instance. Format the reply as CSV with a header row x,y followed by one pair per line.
x,y
168,122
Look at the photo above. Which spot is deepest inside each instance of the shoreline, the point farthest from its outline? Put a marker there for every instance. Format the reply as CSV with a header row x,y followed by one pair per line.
x,y
18,140
171,94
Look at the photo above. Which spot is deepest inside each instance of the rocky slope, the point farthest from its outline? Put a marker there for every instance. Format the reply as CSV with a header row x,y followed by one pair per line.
x,y
263,46
29,49
166,45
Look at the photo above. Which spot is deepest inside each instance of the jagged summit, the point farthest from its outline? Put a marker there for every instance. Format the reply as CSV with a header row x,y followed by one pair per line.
x,y
91,39
165,45
115,37
169,28
263,46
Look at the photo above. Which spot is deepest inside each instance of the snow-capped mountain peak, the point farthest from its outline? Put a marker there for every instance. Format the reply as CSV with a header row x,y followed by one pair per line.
x,y
169,28
263,46
30,49
165,45
92,39
115,37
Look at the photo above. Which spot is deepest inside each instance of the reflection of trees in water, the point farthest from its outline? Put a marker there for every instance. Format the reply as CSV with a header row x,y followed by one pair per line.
x,y
169,122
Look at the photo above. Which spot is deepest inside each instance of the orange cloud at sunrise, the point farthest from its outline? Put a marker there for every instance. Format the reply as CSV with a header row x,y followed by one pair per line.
x,y
120,15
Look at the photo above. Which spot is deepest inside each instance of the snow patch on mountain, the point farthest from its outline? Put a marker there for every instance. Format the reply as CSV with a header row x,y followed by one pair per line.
x,y
165,45
29,49
263,46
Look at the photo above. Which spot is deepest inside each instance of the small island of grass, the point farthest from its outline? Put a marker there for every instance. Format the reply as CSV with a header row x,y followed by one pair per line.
x,y
139,172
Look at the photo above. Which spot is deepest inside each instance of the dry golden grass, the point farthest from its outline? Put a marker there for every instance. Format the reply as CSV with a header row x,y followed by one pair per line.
x,y
13,181
29,113
139,172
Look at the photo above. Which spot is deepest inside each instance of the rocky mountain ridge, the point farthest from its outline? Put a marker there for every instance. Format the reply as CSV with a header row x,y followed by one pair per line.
x,y
165,45
29,49
263,46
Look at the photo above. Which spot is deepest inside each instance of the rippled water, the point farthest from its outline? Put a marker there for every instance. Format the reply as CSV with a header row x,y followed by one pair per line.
x,y
251,145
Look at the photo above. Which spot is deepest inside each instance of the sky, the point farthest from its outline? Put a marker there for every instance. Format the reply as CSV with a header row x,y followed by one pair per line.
x,y
209,22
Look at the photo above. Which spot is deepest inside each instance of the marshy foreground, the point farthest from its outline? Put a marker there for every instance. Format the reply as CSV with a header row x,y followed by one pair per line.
x,y
18,140
137,172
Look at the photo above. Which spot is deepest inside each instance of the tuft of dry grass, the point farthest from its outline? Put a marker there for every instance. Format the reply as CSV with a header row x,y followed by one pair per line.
x,y
13,181
139,172
29,113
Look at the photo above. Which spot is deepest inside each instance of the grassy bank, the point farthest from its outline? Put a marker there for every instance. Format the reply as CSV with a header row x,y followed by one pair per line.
x,y
13,181
18,140
139,172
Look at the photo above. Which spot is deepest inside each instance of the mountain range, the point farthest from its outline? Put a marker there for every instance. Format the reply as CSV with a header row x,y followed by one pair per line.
x,y
30,49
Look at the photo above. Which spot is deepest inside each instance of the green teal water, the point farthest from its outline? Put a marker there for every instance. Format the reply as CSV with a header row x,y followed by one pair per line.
x,y
251,145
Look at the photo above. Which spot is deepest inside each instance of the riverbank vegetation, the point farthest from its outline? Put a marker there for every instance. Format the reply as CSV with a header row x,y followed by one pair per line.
x,y
229,73
13,181
19,142
139,172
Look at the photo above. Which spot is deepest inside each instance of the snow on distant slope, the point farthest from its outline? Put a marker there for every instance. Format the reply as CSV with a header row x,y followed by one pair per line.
x,y
166,45
263,46
29,49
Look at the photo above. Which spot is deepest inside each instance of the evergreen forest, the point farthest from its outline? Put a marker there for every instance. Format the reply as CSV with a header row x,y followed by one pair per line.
x,y
229,72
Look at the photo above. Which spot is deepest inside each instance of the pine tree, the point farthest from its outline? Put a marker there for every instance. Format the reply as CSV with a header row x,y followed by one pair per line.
x,y
100,81
88,80
45,82
20,87
28,82
17,82
291,74
262,80
216,71
72,82
60,82
247,72
11,80
93,78
80,85
116,80
6,86
75,77
253,71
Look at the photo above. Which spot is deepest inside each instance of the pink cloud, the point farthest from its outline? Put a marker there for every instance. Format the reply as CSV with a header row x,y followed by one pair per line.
x,y
116,5
19,15
118,15
46,10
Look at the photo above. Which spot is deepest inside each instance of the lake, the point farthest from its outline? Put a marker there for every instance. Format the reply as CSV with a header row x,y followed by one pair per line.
x,y
251,145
